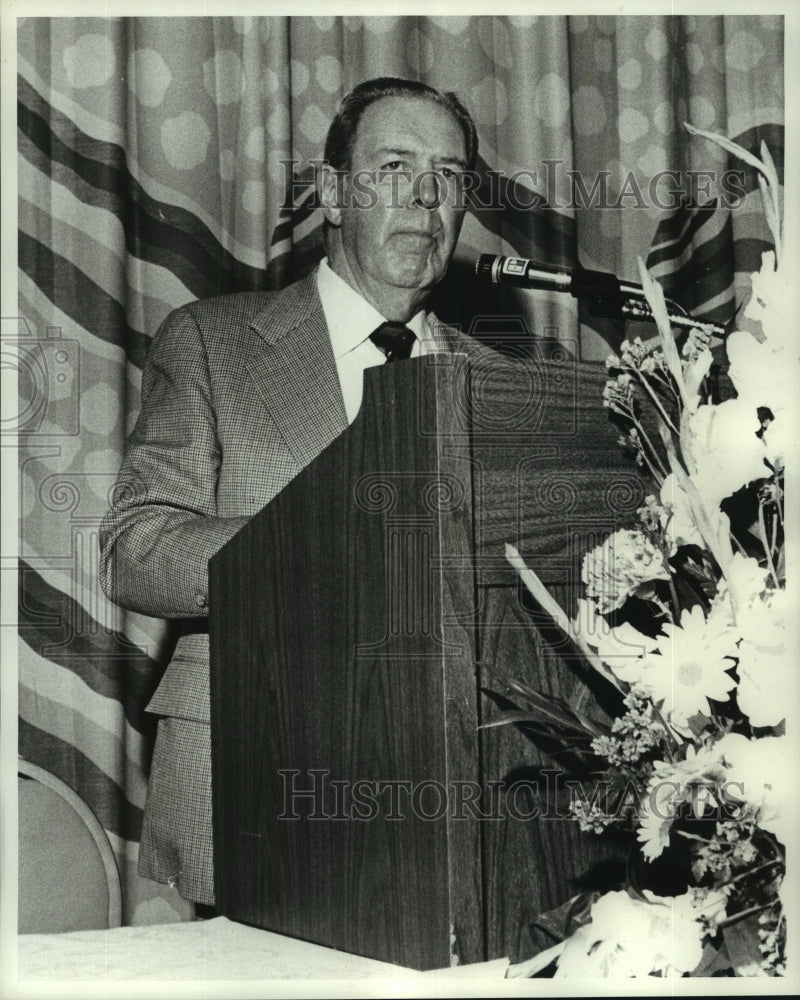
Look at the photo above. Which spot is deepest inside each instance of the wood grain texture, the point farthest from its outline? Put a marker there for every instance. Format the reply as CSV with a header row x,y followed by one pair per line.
x,y
355,621
548,475
332,665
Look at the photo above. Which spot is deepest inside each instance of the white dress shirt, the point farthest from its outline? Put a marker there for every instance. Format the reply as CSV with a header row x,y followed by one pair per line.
x,y
351,319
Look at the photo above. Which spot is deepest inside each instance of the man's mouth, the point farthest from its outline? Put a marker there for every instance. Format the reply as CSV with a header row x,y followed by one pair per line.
x,y
415,235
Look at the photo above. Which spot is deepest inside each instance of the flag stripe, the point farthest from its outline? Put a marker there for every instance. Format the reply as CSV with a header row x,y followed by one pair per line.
x,y
57,702
82,299
105,660
681,237
153,228
542,231
100,792
105,131
90,257
98,128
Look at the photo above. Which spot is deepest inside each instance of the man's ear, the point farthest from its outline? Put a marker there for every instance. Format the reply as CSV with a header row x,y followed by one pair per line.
x,y
329,184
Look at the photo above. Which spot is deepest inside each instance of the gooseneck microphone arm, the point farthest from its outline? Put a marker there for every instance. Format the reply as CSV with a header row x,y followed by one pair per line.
x,y
605,293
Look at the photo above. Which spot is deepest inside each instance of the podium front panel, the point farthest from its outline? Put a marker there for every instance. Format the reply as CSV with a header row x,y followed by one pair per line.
x,y
357,624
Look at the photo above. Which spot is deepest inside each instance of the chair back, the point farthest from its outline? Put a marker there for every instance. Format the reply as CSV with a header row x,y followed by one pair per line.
x,y
68,877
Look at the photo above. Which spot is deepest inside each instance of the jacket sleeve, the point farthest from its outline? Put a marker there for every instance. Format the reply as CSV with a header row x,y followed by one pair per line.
x,y
162,527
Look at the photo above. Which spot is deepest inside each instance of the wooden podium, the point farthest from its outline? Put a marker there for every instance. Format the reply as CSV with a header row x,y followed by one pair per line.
x,y
356,621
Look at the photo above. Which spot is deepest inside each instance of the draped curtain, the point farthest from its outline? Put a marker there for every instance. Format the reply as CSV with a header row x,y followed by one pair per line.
x,y
165,159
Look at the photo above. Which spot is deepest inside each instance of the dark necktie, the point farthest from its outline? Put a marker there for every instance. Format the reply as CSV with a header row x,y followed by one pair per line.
x,y
395,340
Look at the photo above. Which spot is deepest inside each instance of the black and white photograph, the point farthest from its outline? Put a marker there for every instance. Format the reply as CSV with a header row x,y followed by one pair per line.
x,y
400,490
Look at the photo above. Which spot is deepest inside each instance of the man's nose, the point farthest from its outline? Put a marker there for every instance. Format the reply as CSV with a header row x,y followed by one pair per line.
x,y
426,190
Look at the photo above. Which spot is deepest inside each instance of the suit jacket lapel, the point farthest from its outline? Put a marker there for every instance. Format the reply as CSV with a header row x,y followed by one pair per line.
x,y
295,371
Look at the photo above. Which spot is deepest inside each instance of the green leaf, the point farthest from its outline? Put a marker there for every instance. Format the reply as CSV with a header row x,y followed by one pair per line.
x,y
698,724
741,942
715,962
769,168
514,716
697,571
731,147
550,708
564,920
545,599
780,565
547,726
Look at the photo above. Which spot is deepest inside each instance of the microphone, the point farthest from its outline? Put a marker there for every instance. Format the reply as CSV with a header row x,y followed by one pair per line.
x,y
580,283
606,294
522,273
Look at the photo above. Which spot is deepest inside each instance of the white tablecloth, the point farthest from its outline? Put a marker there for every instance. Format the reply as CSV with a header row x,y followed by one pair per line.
x,y
201,952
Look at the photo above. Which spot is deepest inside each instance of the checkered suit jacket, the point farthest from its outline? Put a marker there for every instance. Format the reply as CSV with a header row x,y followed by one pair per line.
x,y
239,393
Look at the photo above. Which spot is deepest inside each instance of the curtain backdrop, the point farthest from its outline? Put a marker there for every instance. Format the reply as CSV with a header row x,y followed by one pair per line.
x,y
153,170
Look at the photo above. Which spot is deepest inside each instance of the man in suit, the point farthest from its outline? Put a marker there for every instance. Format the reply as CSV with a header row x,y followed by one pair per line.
x,y
240,392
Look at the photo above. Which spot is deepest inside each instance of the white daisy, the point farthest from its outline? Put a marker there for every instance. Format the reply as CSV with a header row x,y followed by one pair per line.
x,y
690,665
620,648
694,780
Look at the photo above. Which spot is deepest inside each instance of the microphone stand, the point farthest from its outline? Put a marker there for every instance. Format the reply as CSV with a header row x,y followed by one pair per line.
x,y
605,293
614,298
610,297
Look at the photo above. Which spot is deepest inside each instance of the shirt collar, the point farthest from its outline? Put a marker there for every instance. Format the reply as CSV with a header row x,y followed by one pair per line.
x,y
350,318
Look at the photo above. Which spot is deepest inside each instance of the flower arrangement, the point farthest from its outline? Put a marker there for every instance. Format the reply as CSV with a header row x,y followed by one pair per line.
x,y
685,613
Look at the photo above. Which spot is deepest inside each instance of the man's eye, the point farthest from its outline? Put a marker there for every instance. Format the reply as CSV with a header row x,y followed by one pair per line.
x,y
394,165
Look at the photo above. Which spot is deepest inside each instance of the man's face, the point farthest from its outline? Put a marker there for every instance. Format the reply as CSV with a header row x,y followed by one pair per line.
x,y
401,215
